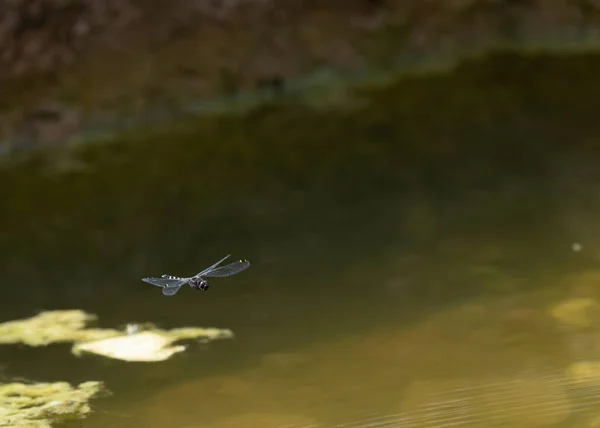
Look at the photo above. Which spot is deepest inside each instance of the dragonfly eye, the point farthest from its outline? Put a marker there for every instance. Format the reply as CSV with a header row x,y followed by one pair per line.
x,y
204,285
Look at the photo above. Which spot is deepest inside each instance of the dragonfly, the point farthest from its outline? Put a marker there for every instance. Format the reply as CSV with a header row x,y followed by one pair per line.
x,y
171,284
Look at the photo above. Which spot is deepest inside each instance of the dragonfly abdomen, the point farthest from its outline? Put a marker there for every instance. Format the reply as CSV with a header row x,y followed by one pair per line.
x,y
171,277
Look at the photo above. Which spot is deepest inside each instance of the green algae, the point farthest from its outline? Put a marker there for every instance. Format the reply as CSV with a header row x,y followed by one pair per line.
x,y
148,346
42,405
142,342
52,327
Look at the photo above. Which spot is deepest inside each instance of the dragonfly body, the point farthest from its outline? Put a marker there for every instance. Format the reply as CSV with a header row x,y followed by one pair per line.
x,y
171,284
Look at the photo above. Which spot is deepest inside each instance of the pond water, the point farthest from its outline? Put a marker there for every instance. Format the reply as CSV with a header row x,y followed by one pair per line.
x,y
406,257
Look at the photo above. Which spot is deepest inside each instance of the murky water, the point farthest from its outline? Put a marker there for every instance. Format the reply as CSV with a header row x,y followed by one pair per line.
x,y
404,261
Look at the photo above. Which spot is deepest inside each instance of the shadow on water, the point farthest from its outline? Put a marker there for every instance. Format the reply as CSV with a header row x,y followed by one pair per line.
x,y
442,212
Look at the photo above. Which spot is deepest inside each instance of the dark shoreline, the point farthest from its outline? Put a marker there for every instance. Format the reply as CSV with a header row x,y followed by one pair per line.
x,y
53,129
301,52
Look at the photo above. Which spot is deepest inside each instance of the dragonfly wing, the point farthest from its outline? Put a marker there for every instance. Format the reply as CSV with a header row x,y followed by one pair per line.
x,y
228,270
208,269
171,290
165,282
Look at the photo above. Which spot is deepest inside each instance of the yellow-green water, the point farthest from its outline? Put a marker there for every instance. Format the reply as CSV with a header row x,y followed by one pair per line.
x,y
404,257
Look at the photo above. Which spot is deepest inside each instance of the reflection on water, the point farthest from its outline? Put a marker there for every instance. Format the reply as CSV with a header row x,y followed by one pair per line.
x,y
392,285
504,359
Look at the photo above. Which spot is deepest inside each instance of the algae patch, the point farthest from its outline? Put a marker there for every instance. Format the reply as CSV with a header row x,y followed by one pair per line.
x,y
52,327
148,345
40,405
141,343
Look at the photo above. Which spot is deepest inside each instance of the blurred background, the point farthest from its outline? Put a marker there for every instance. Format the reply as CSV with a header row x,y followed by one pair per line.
x,y
416,184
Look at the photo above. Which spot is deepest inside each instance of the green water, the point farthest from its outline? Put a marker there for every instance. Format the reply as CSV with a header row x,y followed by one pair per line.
x,y
422,236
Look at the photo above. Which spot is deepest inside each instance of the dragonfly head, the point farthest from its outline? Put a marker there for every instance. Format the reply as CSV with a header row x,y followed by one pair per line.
x,y
199,284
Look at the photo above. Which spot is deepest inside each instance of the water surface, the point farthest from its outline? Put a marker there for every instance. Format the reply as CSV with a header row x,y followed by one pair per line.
x,y
408,249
